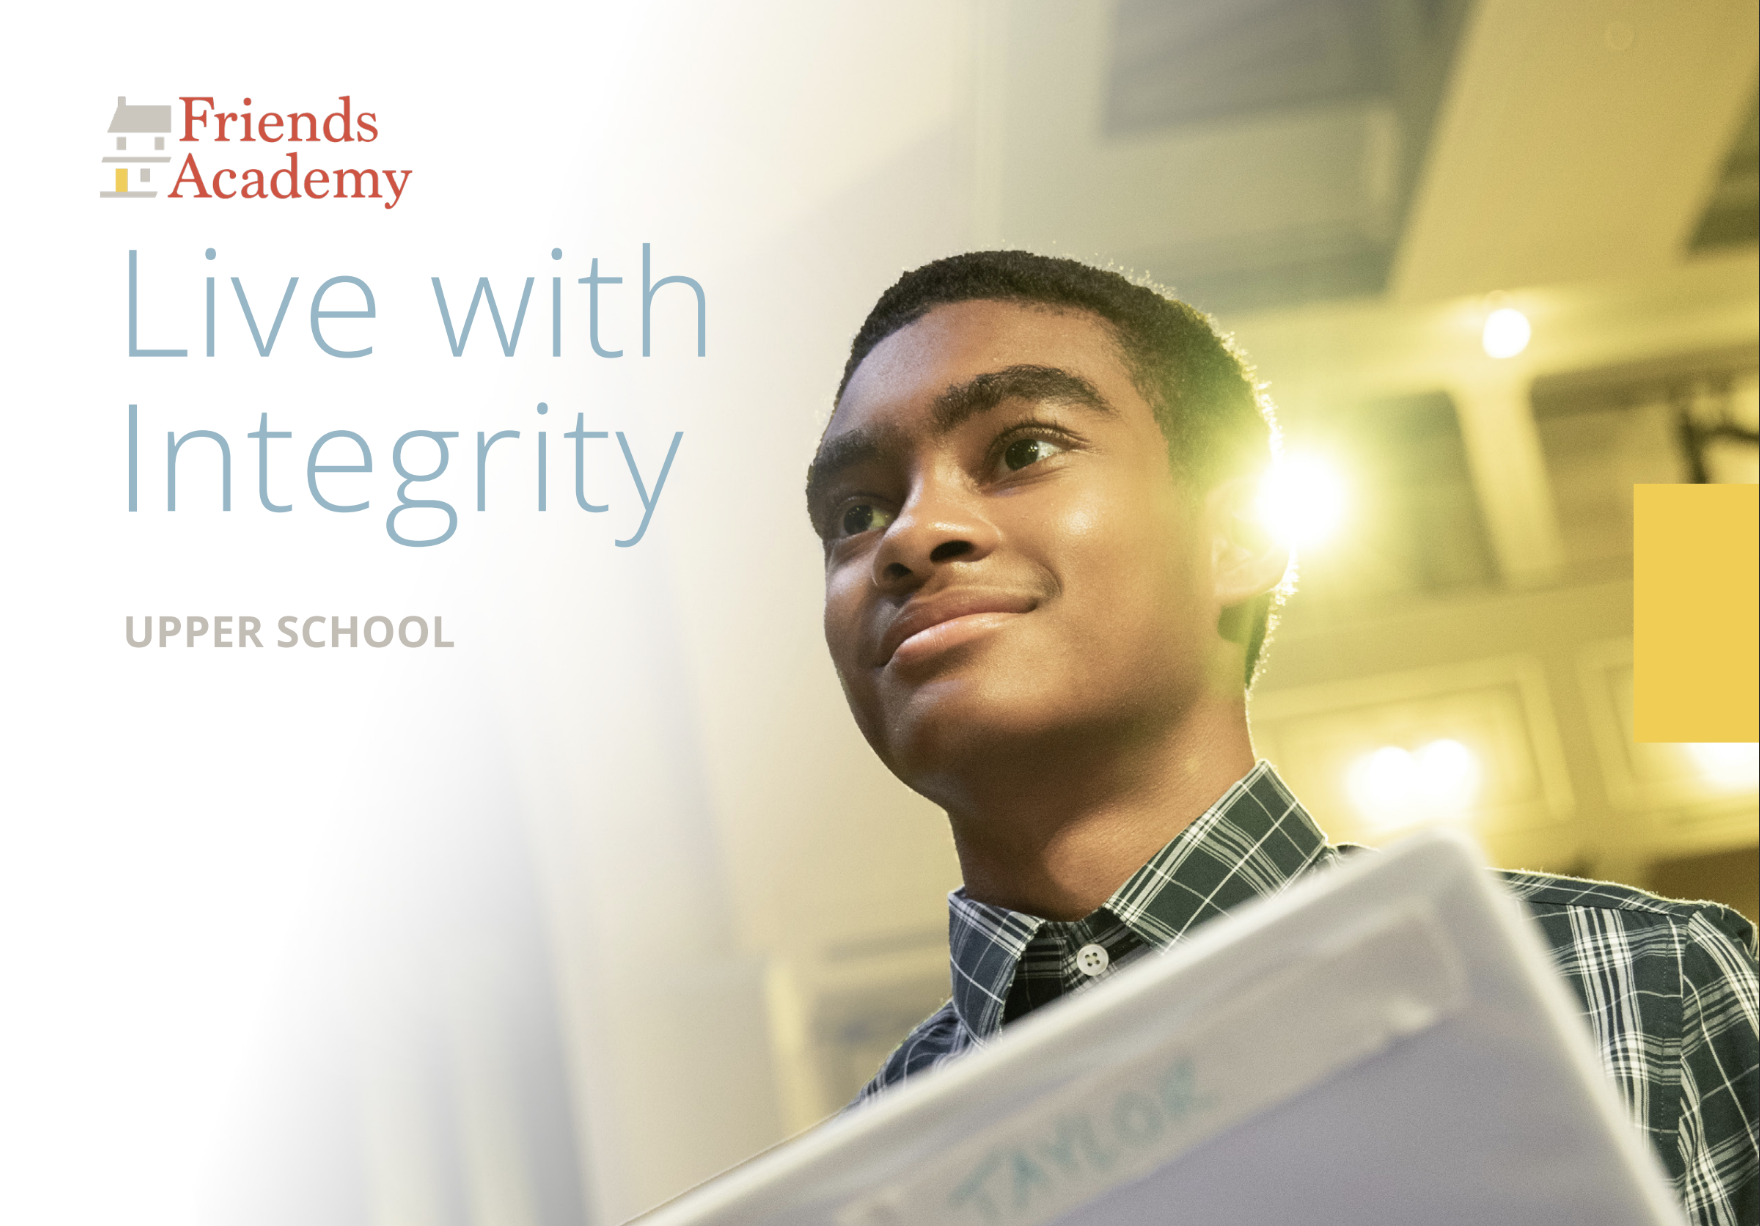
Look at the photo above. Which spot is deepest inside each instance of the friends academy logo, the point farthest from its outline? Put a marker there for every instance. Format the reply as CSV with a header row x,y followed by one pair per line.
x,y
140,124
140,161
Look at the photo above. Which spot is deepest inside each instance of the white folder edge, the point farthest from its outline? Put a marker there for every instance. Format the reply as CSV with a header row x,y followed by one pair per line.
x,y
1048,1030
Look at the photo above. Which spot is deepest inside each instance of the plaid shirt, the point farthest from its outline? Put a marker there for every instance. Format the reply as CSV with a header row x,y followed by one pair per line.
x,y
1669,988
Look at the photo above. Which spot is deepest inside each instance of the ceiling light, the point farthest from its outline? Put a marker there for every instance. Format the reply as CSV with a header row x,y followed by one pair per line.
x,y
1506,332
1394,787
1448,774
1732,766
1302,500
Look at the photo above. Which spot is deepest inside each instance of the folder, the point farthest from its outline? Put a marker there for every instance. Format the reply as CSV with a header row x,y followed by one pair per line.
x,y
1385,1043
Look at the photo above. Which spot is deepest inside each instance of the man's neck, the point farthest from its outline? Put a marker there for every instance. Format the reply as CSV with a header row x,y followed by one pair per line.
x,y
1054,830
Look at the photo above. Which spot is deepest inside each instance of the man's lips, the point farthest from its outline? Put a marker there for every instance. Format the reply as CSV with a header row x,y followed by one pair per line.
x,y
926,625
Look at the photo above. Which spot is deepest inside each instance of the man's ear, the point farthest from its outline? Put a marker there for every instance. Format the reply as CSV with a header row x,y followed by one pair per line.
x,y
1245,559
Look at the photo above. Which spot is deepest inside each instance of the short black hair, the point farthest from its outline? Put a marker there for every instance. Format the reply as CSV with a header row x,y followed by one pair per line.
x,y
1215,417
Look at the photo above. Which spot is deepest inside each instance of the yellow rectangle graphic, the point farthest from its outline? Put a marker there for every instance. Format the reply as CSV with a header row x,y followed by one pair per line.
x,y
1696,613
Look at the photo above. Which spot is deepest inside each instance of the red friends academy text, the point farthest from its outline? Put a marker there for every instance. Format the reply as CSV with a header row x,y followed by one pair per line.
x,y
204,122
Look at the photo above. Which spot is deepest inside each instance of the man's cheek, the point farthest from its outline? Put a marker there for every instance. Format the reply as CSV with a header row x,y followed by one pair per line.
x,y
842,624
1082,522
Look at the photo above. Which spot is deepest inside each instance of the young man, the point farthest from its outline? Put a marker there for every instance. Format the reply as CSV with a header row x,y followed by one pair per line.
x,y
1045,595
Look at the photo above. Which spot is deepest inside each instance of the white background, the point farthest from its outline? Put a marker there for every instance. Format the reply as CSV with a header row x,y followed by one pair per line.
x,y
202,851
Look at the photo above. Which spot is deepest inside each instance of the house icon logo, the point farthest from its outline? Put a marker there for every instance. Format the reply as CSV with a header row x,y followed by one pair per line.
x,y
132,126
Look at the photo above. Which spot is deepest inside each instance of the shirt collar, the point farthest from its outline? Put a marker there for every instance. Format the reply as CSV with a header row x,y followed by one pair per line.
x,y
1253,841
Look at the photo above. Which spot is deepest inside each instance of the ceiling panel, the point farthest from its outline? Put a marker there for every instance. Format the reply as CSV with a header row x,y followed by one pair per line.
x,y
1578,141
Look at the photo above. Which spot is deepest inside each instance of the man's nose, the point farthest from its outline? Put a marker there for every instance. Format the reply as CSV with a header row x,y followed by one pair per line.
x,y
943,521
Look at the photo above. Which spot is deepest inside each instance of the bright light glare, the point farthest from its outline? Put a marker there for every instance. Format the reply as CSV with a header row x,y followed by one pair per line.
x,y
1729,765
1384,783
1506,332
1302,501
1395,787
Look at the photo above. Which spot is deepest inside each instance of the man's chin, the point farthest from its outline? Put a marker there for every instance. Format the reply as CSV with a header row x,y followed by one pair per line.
x,y
950,727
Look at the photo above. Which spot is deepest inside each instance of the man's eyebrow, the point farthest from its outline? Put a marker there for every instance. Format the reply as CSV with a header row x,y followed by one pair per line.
x,y
981,393
860,446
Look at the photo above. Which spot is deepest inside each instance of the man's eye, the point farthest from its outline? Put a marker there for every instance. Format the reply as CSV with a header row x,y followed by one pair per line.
x,y
864,517
1025,451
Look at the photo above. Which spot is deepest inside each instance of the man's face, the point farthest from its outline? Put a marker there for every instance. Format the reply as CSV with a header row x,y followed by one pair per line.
x,y
1009,561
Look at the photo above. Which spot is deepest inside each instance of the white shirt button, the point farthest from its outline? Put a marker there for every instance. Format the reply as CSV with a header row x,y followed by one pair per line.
x,y
1092,959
